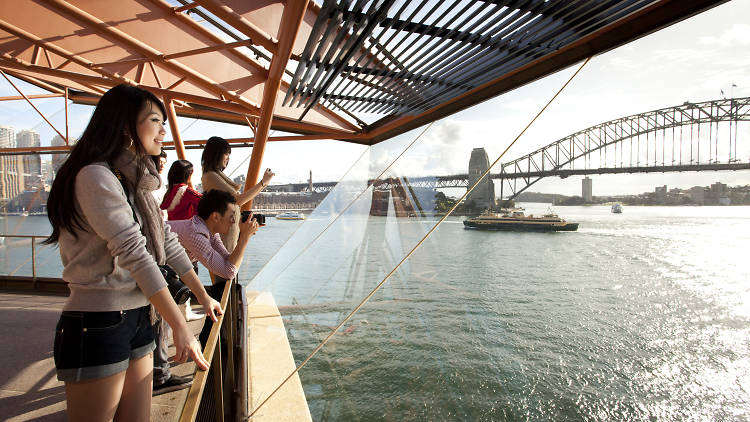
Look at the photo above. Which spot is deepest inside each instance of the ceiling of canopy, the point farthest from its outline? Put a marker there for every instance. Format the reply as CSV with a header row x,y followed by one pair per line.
x,y
358,71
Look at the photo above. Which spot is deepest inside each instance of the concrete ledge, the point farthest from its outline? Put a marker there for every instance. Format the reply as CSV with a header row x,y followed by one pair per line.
x,y
270,361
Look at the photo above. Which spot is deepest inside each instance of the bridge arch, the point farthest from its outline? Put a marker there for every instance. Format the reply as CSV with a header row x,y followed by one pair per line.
x,y
559,158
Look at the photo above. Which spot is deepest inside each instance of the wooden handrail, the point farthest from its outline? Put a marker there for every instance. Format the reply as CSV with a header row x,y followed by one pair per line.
x,y
195,394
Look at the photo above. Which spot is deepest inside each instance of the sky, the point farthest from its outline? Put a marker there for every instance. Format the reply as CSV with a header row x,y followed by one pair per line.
x,y
692,60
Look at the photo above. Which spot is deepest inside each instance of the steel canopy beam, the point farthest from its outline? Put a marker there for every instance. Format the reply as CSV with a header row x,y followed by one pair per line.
x,y
123,38
241,24
294,12
639,24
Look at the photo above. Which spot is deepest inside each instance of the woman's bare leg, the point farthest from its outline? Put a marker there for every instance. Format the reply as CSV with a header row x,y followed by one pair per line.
x,y
94,400
135,402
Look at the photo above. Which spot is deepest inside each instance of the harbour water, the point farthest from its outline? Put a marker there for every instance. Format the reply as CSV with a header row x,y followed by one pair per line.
x,y
637,316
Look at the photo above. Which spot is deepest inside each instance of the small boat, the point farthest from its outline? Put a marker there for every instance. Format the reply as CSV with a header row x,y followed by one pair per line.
x,y
290,215
617,208
516,220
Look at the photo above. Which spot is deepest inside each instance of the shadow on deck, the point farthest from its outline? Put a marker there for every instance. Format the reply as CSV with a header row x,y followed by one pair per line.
x,y
29,389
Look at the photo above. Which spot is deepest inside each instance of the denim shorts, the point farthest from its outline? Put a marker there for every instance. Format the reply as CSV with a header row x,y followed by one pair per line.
x,y
92,345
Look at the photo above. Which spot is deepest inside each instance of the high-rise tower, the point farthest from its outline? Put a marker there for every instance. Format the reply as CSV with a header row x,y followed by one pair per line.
x,y
587,189
11,167
58,159
32,164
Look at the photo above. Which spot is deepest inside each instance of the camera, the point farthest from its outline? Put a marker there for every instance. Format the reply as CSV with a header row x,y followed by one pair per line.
x,y
260,218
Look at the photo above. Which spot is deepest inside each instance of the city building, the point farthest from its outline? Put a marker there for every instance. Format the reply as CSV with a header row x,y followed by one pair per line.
x,y
483,195
697,194
11,167
587,189
32,163
7,138
57,159
660,194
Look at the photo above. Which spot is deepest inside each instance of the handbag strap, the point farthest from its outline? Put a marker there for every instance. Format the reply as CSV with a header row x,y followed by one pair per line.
x,y
119,177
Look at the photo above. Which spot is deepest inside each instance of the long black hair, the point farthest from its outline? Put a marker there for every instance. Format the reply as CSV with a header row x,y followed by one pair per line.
x,y
157,160
179,173
111,129
213,153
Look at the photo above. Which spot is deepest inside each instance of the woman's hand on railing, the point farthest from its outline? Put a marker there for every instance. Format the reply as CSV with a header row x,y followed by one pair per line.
x,y
185,343
188,348
212,308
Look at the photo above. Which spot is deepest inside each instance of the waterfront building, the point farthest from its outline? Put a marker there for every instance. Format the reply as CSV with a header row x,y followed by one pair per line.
x,y
587,189
11,167
7,137
11,177
660,194
288,200
32,163
57,159
718,189
483,195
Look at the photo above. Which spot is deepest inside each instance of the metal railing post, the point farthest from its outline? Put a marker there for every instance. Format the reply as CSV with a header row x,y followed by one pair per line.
x,y
242,380
33,258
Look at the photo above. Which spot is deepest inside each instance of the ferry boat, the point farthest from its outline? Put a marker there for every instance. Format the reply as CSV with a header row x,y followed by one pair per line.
x,y
516,220
290,215
617,208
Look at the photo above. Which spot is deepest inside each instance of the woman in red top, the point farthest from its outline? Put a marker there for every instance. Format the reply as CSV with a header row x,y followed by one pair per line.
x,y
180,201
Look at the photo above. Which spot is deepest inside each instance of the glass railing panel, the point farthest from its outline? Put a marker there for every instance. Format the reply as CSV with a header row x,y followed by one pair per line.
x,y
15,256
613,320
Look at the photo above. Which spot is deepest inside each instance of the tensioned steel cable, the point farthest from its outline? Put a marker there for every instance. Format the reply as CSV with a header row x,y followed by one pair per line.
x,y
379,285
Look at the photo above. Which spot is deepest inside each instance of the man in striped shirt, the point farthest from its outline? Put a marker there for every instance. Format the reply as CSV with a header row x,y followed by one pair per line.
x,y
200,236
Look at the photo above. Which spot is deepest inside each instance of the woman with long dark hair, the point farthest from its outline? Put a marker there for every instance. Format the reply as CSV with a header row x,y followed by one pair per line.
x,y
180,201
214,160
112,240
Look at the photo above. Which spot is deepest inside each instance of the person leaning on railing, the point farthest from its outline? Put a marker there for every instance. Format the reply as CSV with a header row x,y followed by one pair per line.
x,y
201,238
111,254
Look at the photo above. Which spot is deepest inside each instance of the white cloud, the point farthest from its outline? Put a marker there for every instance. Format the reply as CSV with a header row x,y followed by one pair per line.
x,y
737,34
622,62
677,54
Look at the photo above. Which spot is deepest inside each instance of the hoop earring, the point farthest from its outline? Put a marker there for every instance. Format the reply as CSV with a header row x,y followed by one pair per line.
x,y
130,145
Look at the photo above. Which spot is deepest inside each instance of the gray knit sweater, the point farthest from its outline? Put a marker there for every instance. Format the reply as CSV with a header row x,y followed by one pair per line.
x,y
108,267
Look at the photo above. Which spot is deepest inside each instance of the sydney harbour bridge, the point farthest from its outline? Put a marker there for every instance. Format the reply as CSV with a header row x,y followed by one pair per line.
x,y
688,137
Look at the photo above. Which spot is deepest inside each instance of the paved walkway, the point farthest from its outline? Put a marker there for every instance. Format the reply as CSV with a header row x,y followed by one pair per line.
x,y
29,389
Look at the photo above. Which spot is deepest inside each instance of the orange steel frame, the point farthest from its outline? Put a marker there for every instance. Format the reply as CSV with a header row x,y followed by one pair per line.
x,y
28,100
291,20
237,105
